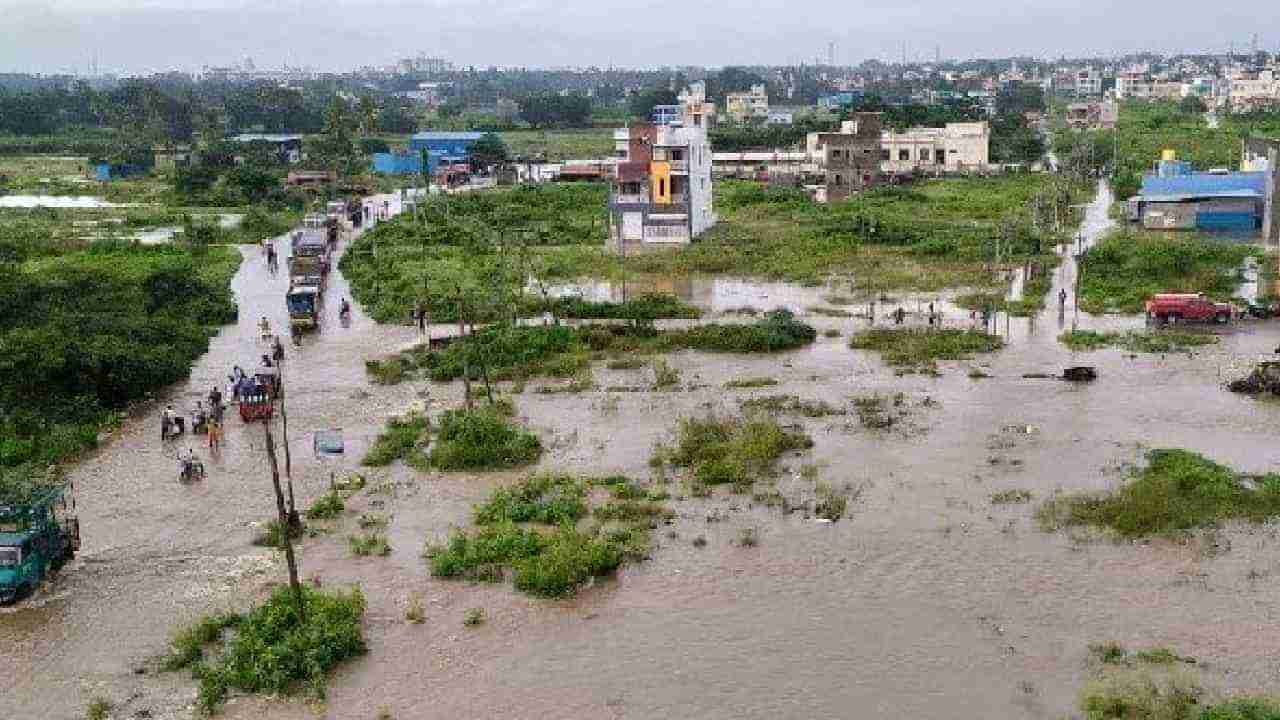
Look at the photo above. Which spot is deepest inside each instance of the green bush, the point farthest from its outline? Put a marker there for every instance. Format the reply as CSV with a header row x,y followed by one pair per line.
x,y
480,555
1177,491
1120,273
733,450
1244,709
481,439
273,650
326,507
542,499
566,561
918,347
401,436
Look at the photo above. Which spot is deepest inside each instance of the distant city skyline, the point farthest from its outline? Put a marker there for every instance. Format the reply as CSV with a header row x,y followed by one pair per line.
x,y
143,36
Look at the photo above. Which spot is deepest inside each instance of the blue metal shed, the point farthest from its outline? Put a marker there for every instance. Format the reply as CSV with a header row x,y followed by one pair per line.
x,y
446,147
398,163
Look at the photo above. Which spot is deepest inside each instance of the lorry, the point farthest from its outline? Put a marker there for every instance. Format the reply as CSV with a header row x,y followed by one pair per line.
x,y
304,303
1176,307
39,532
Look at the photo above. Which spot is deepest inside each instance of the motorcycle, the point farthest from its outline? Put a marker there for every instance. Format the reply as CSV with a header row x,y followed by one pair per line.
x,y
190,469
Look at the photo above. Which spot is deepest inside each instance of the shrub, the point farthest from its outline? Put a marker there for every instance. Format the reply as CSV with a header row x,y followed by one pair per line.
x,y
187,646
1157,341
664,376
326,507
1010,497
369,544
273,650
831,504
543,499
400,437
477,555
568,560
751,382
473,617
98,709
1177,491
921,347
1128,695
481,439
731,450
1244,709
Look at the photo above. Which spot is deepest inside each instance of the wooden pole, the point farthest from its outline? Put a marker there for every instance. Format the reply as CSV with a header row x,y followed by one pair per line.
x,y
285,528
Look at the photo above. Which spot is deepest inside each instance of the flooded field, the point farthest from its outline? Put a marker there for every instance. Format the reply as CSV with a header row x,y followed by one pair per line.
x,y
927,601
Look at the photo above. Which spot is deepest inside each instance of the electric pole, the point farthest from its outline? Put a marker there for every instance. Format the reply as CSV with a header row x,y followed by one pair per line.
x,y
286,530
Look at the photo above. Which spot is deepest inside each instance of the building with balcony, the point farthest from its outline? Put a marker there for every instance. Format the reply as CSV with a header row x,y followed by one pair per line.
x,y
743,106
660,191
957,147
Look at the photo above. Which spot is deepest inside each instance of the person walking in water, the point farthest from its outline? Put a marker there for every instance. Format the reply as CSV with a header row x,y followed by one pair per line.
x,y
1062,300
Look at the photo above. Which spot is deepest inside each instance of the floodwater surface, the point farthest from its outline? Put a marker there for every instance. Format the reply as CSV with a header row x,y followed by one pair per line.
x,y
926,601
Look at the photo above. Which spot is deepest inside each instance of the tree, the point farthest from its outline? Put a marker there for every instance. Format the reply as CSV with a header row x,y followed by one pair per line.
x,y
488,150
335,147
642,103
1192,105
367,114
554,110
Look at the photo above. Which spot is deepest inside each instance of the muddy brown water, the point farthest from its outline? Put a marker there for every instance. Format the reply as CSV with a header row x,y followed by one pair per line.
x,y
927,601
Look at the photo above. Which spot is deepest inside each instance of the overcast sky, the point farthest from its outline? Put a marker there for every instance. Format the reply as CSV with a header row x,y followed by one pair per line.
x,y
147,35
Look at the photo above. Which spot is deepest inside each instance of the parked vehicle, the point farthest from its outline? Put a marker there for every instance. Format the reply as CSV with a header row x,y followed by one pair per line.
x,y
1176,307
39,532
190,469
256,405
1263,309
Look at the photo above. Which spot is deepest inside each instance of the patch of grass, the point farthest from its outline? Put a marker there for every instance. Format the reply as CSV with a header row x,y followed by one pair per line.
x,y
369,521
751,382
567,560
272,535
482,554
1176,491
732,450
326,507
1108,653
748,537
873,412
400,438
1160,656
625,364
1245,708
1011,497
1126,695
272,650
187,645
414,612
916,347
1127,267
790,405
830,312
98,709
1150,341
664,376
473,617
831,333
481,439
633,511
369,544
831,504
546,499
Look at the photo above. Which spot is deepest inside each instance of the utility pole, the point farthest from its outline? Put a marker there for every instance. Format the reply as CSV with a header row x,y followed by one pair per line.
x,y
288,463
285,529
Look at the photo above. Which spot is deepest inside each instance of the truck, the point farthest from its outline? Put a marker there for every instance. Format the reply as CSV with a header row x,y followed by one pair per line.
x,y
39,532
304,303
1176,307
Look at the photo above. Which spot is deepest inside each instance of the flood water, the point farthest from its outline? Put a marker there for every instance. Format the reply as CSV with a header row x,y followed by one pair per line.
x,y
926,602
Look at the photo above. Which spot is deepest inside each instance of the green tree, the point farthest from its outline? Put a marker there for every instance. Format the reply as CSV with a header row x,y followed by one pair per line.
x,y
488,150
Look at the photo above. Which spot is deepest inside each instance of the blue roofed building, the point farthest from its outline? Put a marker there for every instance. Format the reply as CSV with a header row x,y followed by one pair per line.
x,y
444,147
1177,198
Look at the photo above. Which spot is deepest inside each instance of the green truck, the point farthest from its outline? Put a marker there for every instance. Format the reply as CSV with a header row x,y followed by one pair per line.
x,y
39,532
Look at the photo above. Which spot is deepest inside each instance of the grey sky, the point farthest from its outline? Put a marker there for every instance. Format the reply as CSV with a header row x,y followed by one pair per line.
x,y
145,35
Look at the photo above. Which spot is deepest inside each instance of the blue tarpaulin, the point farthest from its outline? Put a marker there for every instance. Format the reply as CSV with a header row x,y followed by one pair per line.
x,y
397,163
1205,184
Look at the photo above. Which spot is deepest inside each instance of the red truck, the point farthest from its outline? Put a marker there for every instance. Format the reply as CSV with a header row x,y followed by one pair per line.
x,y
1165,307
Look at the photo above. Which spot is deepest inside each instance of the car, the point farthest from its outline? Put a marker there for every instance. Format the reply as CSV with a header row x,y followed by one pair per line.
x,y
1176,307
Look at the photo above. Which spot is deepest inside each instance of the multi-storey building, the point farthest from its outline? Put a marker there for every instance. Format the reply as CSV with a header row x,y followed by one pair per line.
x,y
660,191
850,159
743,106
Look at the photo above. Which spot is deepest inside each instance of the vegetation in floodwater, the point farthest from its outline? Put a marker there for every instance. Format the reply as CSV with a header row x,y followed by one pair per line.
x,y
1131,694
831,503
700,541
831,333
188,644
625,364
1011,497
272,534
1121,272
272,651
790,405
830,312
400,437
369,521
369,544
515,352
326,507
664,376
473,617
414,612
554,558
98,709
1149,341
546,499
751,382
734,451
1175,492
918,347
874,411
748,537
481,439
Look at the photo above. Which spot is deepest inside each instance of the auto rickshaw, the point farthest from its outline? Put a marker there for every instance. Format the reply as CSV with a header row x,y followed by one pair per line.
x,y
256,405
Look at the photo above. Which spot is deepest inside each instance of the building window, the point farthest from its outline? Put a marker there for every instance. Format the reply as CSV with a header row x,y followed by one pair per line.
x,y
904,154
924,154
662,187
839,179
884,154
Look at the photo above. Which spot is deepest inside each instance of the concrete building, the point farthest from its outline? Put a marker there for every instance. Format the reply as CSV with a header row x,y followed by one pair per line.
x,y
743,106
850,159
1088,83
1262,154
1254,91
1092,115
695,108
660,191
1141,89
958,147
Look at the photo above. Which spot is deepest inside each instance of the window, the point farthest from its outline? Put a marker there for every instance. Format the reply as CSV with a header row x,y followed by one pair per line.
x,y
924,154
904,154
839,179
677,155
10,556
884,153
662,187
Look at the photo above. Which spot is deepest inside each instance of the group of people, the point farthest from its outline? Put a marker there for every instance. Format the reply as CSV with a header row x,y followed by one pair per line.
x,y
203,420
